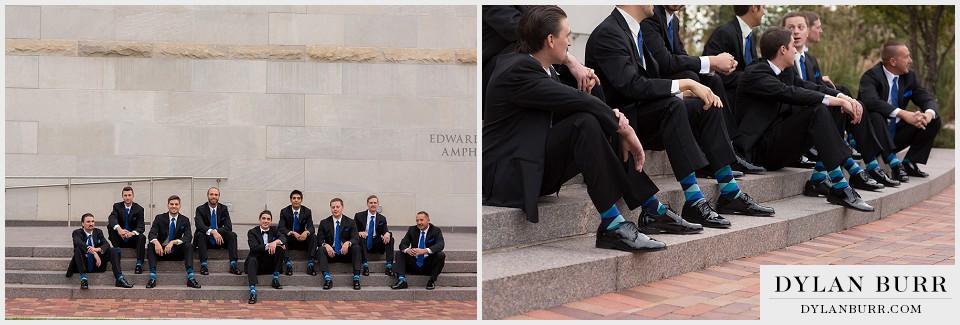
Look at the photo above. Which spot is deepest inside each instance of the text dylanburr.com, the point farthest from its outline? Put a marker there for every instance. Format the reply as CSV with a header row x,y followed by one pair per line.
x,y
858,292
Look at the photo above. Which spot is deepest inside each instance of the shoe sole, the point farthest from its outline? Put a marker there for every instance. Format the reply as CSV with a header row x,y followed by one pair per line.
x,y
813,194
871,189
724,211
654,231
628,249
844,204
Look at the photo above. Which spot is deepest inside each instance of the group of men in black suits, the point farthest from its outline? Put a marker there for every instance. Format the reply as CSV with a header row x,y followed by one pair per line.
x,y
336,239
728,112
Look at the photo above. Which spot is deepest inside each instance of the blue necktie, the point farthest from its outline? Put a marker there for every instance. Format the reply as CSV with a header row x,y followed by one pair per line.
x,y
336,239
127,225
643,61
670,34
213,225
747,54
90,260
803,68
173,229
370,232
895,101
423,237
296,222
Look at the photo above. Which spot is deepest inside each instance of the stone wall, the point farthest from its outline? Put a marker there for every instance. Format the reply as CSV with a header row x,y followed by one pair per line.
x,y
337,101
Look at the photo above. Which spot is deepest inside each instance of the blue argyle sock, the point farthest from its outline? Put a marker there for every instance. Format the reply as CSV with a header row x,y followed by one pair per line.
x,y
852,166
691,191
892,160
153,273
873,165
83,276
326,275
233,263
836,176
356,275
819,173
851,140
120,277
203,263
389,266
611,218
728,185
140,262
276,275
401,278
253,289
652,205
189,273
365,265
906,160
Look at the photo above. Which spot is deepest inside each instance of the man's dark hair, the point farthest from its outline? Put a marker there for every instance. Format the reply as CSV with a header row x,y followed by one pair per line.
x,y
296,192
336,199
812,17
424,213
265,212
535,25
806,18
173,197
741,10
771,41
85,215
889,50
126,189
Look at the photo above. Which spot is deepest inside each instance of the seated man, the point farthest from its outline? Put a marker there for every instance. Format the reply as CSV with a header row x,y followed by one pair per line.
x,y
215,230
174,229
885,90
375,237
266,244
338,238
539,133
779,120
736,37
693,133
296,223
427,258
91,252
126,228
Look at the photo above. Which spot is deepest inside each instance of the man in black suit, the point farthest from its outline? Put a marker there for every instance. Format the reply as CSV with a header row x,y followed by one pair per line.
x,y
91,252
885,90
539,133
693,133
375,236
421,252
266,244
173,229
215,230
296,223
338,243
736,37
125,226
780,120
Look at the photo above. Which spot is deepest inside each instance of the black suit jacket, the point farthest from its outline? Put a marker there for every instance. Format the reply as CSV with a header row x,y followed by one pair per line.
x,y
286,220
348,231
670,60
118,216
499,30
874,91
521,102
613,53
361,219
202,219
255,238
80,239
729,38
433,240
760,96
160,229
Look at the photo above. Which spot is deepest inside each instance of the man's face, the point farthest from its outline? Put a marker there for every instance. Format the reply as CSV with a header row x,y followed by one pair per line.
x,y
797,25
787,54
296,200
560,43
422,221
88,223
213,196
372,205
265,220
127,197
902,61
336,208
673,8
173,206
757,13
815,31
647,10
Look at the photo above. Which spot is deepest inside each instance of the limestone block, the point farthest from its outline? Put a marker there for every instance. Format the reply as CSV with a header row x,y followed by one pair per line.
x,y
306,29
154,24
189,51
416,176
381,31
72,72
54,204
465,112
115,48
215,27
342,111
66,138
22,71
458,210
43,104
246,206
267,52
229,76
319,202
466,11
97,200
440,145
467,56
400,209
304,78
445,32
22,22
414,112
41,47
380,79
193,108
304,142
157,139
21,204
346,10
115,165
279,199
464,177
240,9
21,137
344,54
330,175
446,81
126,106
40,165
370,143
266,174
78,23
407,55
153,74
232,141
419,10
266,109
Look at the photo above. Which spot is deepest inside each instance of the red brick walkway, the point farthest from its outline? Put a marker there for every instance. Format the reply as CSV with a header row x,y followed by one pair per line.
x,y
143,308
920,235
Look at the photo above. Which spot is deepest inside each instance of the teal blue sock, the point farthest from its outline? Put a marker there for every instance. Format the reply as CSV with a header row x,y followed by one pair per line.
x,y
83,276
366,265
892,160
611,218
652,205
276,275
728,185
401,278
203,263
189,273
836,176
873,165
326,275
691,191
819,173
906,160
852,166
153,273
120,277
233,263
139,262
253,289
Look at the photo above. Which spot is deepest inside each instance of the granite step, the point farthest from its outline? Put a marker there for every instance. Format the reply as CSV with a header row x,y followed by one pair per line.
x,y
177,277
179,291
299,266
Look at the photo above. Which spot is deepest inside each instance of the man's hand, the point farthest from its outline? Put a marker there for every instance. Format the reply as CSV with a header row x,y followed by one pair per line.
x,y
272,247
217,236
97,258
586,78
169,247
630,145
158,248
330,251
848,108
724,63
829,82
124,233
363,234
928,117
386,238
857,107
706,95
345,248
913,118
412,251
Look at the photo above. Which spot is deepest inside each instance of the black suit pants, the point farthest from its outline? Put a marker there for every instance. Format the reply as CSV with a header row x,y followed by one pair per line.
x,y
716,85
906,135
137,242
263,263
352,256
202,241
310,245
432,265
108,255
180,252
863,133
794,132
378,247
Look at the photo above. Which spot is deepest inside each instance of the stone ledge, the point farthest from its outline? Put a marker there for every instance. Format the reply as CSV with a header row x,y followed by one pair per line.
x,y
113,48
41,47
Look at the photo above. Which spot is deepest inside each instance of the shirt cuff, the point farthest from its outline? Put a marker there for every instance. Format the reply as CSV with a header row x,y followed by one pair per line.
x,y
932,111
208,231
429,251
115,227
826,100
135,233
704,65
895,112
675,88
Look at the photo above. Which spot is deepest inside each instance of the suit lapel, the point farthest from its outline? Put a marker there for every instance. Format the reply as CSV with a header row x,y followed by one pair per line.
x,y
634,52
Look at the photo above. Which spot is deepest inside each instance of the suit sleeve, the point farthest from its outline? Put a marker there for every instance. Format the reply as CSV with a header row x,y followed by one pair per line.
x,y
503,19
112,219
669,62
384,229
253,242
769,87
617,64
282,226
923,99
140,215
78,240
533,88
438,242
103,240
718,43
309,225
198,220
187,234
871,98
354,235
282,237
154,229
356,221
405,242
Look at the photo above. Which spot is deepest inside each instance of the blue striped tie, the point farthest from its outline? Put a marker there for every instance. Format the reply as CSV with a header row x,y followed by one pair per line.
x,y
670,34
173,229
90,260
127,225
423,237
895,101
296,222
213,225
370,231
747,54
643,61
803,68
336,239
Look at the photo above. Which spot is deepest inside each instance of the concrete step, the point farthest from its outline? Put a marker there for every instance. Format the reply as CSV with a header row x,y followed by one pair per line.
x,y
215,254
524,278
299,266
177,290
225,279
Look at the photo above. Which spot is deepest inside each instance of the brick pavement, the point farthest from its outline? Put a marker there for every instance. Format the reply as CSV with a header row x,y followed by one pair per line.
x,y
919,235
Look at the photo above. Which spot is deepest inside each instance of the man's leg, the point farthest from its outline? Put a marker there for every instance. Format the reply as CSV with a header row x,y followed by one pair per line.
x,y
152,260
202,242
437,261
919,141
251,265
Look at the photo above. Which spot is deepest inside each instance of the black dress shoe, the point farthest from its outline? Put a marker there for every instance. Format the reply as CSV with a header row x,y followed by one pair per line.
x,y
204,270
84,284
913,170
848,197
289,270
327,284
431,285
356,284
152,283
854,153
389,272
399,285
881,177
365,272
138,270
861,181
235,270
276,284
669,222
193,283
122,283
897,173
742,165
742,204
311,271
627,238
803,163
817,189
702,173
253,299
702,213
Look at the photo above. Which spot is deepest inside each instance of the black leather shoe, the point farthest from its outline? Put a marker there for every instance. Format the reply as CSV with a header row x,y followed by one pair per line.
x,y
881,177
253,299
897,173
855,154
356,284
122,283
152,283
703,173
913,170
235,270
84,284
193,283
289,270
702,213
204,270
399,285
365,272
138,270
276,284
389,272
327,284
627,238
817,189
431,285
742,165
311,271
848,197
743,204
861,181
804,163
669,222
